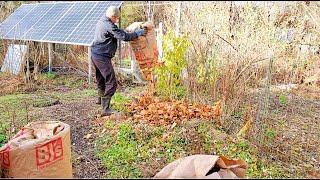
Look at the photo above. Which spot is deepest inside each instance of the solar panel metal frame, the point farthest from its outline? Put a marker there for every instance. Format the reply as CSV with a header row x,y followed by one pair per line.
x,y
3,23
81,21
65,12
78,29
48,36
30,39
19,29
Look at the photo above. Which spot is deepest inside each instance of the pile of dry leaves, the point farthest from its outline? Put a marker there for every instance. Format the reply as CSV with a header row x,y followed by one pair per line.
x,y
155,111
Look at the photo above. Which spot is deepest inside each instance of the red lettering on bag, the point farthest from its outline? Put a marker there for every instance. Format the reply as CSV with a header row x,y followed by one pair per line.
x,y
5,157
49,153
140,56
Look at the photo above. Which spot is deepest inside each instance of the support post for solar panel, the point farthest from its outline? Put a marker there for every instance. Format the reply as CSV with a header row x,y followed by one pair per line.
x,y
50,56
27,77
89,65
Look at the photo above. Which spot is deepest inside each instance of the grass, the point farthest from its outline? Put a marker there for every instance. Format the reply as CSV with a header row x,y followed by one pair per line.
x,y
77,83
3,134
70,96
121,156
139,150
72,82
14,104
282,99
14,107
51,75
136,150
119,101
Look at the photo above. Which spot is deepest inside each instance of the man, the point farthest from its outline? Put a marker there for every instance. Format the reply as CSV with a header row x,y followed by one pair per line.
x,y
103,50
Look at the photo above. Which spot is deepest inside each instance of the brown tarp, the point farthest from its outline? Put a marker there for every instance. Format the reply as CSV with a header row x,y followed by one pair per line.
x,y
204,166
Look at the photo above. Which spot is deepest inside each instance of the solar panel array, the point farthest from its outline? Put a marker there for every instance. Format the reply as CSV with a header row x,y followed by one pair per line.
x,y
60,22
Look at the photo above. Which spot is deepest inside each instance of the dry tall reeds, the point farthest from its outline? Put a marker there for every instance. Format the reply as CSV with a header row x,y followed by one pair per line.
x,y
232,46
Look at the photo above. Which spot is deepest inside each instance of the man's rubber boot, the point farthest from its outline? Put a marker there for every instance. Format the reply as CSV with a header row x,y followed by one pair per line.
x,y
105,103
100,94
98,101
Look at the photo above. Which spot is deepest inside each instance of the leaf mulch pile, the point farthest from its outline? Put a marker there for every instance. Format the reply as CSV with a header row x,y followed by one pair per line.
x,y
156,111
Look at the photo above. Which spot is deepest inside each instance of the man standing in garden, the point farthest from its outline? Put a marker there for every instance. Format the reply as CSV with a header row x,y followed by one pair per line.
x,y
103,50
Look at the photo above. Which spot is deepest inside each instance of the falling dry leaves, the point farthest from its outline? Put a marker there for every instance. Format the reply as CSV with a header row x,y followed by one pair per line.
x,y
88,136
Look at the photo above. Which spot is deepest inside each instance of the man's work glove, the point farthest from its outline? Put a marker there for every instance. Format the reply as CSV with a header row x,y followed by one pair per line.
x,y
140,32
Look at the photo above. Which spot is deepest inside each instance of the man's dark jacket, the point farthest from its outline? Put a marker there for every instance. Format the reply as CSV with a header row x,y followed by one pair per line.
x,y
105,38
